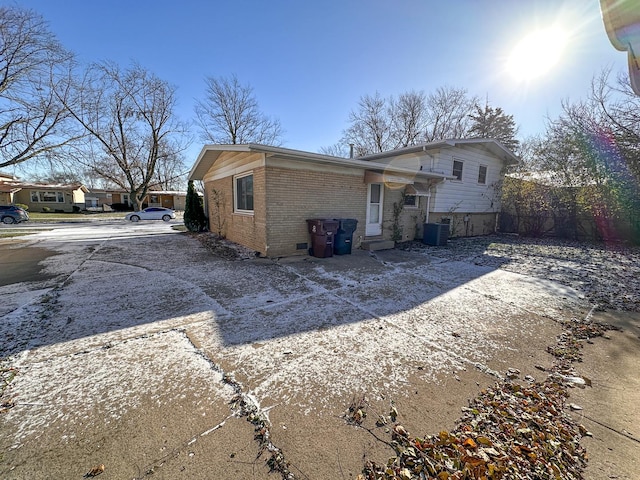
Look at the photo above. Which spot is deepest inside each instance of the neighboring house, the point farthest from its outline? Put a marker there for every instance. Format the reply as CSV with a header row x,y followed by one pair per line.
x,y
101,199
8,188
51,197
65,197
167,199
98,198
261,196
39,197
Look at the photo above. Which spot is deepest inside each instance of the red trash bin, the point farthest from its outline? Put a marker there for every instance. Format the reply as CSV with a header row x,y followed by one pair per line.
x,y
322,232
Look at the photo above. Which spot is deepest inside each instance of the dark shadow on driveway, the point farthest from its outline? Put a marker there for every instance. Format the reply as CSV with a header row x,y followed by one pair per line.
x,y
130,282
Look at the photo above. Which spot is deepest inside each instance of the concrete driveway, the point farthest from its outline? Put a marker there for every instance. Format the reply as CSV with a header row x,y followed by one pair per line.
x,y
140,350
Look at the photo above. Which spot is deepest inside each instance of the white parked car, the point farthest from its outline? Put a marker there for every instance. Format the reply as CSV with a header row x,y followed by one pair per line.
x,y
151,213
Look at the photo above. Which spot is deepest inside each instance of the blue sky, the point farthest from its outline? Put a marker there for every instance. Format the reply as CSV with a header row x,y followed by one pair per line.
x,y
309,62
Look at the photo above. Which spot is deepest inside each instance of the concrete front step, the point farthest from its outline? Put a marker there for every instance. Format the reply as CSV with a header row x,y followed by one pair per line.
x,y
373,245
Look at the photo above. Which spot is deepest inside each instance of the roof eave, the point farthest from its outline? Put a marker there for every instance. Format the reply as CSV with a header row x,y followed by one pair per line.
x,y
505,154
204,162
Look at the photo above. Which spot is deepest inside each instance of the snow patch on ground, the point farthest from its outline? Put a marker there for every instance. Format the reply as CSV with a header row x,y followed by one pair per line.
x,y
103,384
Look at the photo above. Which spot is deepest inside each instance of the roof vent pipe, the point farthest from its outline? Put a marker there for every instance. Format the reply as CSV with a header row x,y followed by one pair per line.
x,y
351,150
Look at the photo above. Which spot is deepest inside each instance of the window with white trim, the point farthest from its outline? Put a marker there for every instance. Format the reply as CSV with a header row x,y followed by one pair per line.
x,y
457,169
47,197
410,201
243,193
482,174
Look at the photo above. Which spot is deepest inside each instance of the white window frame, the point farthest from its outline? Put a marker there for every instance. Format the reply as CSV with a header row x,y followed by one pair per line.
x,y
37,196
415,203
236,209
486,173
453,169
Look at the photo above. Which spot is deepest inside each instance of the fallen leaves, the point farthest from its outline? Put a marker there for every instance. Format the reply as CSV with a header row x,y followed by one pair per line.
x,y
7,374
357,412
95,471
511,430
508,431
222,248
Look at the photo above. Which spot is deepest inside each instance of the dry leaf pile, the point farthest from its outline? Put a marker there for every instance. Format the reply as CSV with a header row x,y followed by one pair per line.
x,y
508,431
222,248
514,430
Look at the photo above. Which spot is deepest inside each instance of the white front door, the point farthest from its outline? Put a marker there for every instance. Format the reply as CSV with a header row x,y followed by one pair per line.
x,y
374,210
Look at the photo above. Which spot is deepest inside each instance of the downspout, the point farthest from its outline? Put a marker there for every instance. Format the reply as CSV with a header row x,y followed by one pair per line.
x,y
426,220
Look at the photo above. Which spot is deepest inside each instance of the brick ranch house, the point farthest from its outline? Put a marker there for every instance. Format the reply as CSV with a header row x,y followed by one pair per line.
x,y
261,196
40,197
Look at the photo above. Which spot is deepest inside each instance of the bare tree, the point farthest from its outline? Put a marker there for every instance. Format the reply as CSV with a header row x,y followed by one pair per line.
x,y
171,172
379,124
371,126
337,150
448,112
129,117
589,157
409,118
230,114
619,108
33,120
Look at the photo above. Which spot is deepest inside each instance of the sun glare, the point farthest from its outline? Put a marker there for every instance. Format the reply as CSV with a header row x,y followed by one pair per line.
x,y
537,53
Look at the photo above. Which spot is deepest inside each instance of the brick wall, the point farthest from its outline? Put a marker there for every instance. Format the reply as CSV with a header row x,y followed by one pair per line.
x,y
245,229
294,195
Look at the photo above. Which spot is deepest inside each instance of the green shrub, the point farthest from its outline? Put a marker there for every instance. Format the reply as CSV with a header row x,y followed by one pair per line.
x,y
194,217
22,206
46,209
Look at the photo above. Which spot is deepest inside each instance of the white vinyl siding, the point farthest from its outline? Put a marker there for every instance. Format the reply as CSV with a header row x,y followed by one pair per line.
x,y
467,196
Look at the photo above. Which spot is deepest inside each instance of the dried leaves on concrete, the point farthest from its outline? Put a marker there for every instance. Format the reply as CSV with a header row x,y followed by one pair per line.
x,y
222,248
514,430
